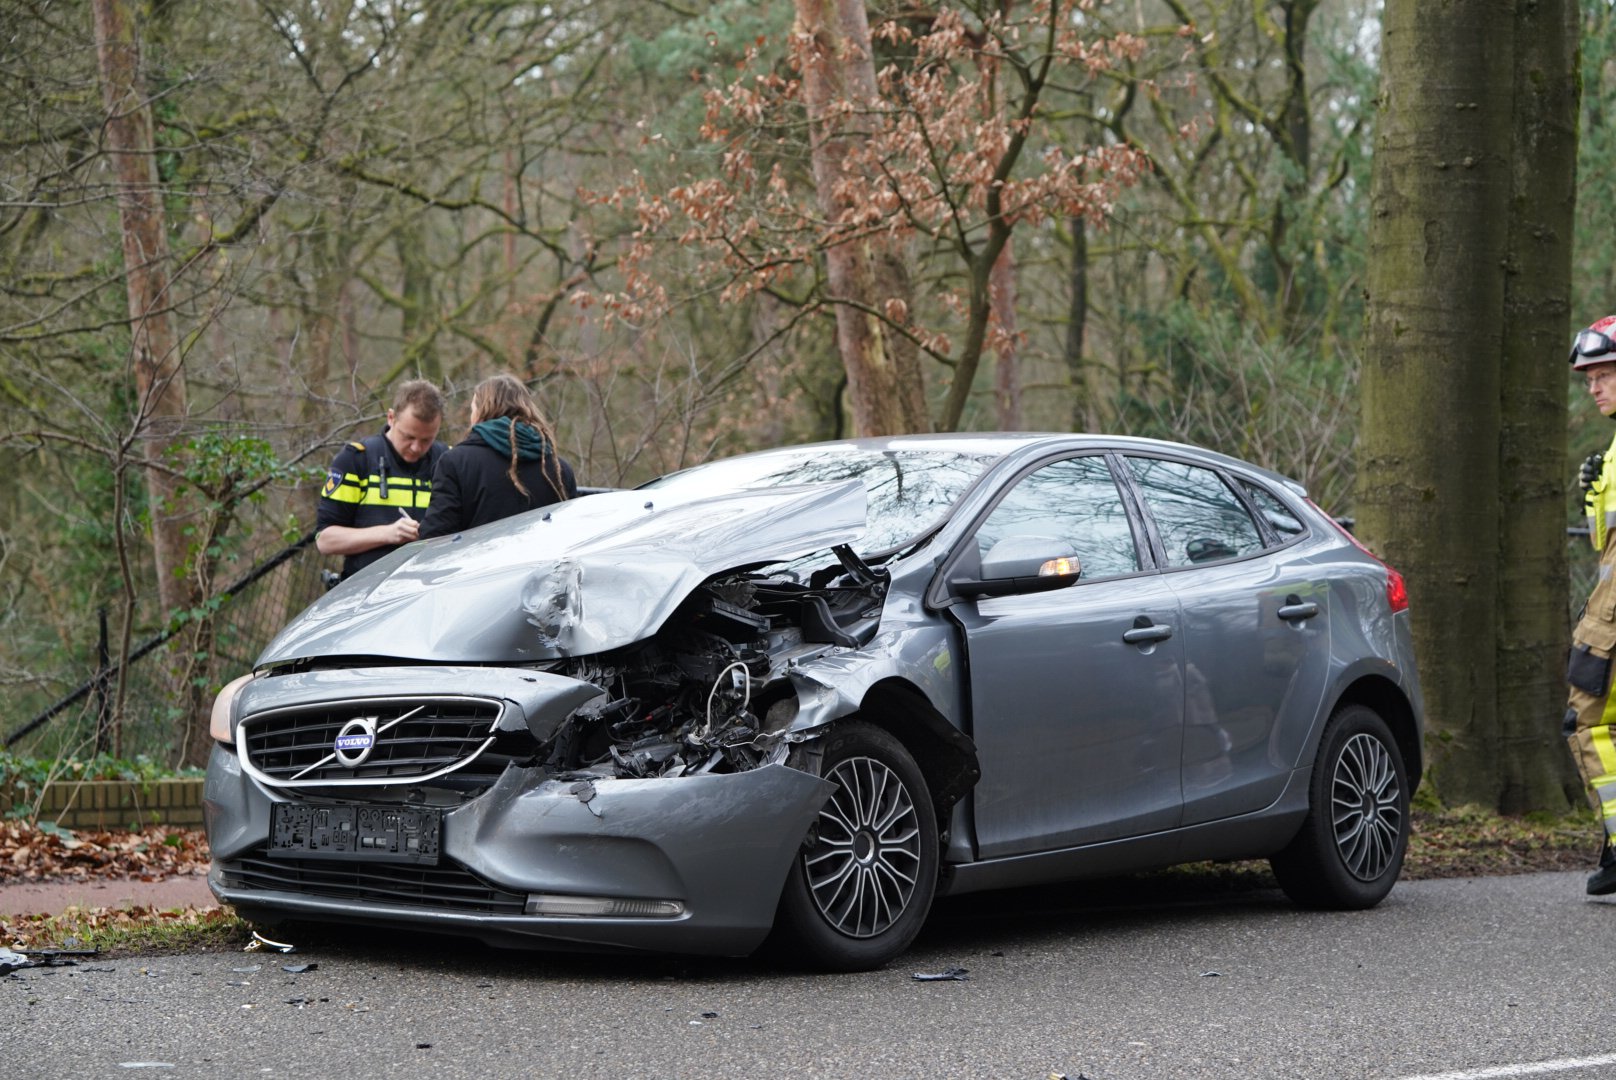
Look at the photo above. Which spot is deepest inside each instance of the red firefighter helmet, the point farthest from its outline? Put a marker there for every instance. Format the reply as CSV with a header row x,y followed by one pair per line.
x,y
1595,345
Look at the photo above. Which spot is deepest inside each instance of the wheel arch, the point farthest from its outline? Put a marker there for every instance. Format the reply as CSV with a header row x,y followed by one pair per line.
x,y
1387,699
946,755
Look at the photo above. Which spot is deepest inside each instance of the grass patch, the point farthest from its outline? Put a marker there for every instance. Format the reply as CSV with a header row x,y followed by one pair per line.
x,y
135,931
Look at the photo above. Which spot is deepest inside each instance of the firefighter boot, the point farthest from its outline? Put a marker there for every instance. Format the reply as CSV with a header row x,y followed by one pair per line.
x,y
1602,882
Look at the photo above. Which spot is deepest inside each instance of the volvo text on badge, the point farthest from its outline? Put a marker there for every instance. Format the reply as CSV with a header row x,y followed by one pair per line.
x,y
355,741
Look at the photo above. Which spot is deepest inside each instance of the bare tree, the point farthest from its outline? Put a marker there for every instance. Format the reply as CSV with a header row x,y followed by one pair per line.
x,y
155,358
945,158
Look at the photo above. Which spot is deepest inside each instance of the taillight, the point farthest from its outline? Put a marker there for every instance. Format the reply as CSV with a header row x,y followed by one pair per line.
x,y
1396,589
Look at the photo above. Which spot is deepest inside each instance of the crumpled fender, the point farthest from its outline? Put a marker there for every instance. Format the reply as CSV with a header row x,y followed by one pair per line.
x,y
835,684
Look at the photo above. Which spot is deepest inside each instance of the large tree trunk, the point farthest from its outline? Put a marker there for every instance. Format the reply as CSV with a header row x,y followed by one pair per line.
x,y
1436,402
867,278
1428,463
1535,773
159,377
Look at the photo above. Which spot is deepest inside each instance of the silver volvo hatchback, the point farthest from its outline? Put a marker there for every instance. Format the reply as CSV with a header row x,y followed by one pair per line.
x,y
791,697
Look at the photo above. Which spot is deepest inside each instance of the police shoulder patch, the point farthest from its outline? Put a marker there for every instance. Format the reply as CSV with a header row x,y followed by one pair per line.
x,y
333,480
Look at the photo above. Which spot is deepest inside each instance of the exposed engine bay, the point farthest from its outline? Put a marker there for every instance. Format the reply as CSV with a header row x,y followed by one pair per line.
x,y
709,693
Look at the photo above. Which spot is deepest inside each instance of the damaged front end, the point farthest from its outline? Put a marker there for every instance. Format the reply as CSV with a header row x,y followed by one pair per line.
x,y
637,796
713,691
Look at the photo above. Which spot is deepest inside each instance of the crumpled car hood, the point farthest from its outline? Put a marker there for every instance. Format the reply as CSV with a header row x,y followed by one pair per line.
x,y
580,577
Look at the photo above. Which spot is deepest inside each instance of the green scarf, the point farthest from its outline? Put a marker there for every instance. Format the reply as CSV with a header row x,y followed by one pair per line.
x,y
530,445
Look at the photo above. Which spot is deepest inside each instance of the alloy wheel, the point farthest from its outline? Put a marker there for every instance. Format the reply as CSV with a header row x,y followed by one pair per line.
x,y
861,871
1366,810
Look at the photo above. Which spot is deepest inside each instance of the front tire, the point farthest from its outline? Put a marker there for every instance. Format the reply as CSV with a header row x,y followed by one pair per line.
x,y
1350,849
862,884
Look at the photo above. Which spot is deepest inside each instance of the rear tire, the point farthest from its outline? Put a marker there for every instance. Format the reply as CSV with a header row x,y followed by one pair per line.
x,y
1350,849
861,886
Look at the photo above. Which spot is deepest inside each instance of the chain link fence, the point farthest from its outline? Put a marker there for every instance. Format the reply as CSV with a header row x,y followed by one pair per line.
x,y
168,675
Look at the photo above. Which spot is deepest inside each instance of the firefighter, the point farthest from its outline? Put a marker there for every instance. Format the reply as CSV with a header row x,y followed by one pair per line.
x,y
378,489
1592,711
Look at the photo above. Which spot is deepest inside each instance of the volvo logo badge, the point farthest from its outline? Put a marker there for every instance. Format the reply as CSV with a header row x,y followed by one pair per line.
x,y
355,741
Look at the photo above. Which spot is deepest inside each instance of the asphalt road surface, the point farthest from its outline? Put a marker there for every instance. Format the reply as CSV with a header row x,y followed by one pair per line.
x,y
1466,979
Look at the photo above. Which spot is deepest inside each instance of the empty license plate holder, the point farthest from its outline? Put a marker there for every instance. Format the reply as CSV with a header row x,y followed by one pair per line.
x,y
400,834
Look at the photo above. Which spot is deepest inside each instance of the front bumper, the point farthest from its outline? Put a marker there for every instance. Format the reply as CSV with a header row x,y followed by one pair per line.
x,y
719,844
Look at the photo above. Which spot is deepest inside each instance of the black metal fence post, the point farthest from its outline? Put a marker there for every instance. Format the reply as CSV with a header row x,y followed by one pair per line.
x,y
103,707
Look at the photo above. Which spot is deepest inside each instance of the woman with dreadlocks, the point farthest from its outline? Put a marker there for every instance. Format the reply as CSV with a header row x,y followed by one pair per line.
x,y
506,464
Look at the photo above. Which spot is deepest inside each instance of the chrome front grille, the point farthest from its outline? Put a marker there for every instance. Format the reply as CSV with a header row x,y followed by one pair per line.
x,y
411,739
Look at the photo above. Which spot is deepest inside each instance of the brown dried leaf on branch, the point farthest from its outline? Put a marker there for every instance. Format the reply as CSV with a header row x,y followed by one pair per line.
x,y
844,163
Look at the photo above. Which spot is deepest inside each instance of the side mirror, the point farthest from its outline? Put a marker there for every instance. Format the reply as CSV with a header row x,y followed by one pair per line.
x,y
1022,564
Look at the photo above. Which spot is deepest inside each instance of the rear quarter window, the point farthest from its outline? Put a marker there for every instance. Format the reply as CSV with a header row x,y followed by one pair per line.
x,y
1281,521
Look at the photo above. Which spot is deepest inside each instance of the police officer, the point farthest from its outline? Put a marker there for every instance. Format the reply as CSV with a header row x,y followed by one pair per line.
x,y
378,488
1592,711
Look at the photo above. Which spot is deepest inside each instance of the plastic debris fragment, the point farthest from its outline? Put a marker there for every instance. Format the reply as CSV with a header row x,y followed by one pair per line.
x,y
15,961
953,974
259,941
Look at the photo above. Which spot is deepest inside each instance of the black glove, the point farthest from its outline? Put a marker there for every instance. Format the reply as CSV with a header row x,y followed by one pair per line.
x,y
1592,466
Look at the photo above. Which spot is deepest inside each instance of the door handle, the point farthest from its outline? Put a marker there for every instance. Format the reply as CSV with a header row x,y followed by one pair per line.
x,y
1145,632
1295,610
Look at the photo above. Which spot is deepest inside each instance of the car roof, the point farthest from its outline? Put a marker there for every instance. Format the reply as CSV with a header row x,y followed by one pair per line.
x,y
1032,443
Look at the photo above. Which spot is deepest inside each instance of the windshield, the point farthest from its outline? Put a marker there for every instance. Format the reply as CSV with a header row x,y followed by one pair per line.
x,y
908,490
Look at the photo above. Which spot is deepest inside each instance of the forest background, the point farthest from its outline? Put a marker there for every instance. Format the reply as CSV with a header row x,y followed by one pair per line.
x,y
228,229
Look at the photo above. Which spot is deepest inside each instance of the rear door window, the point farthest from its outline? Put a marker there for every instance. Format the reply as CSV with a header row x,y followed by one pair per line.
x,y
1199,519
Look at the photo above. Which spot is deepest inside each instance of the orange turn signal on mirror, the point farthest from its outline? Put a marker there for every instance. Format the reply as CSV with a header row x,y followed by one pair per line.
x,y
1062,567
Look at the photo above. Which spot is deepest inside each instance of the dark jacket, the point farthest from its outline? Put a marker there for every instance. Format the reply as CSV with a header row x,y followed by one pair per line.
x,y
368,484
472,484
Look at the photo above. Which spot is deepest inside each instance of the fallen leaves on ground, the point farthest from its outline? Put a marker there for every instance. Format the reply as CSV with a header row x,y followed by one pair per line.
x,y
158,851
1468,842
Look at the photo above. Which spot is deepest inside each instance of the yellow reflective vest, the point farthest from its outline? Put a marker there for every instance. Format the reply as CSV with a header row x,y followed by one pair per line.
x,y
1599,501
